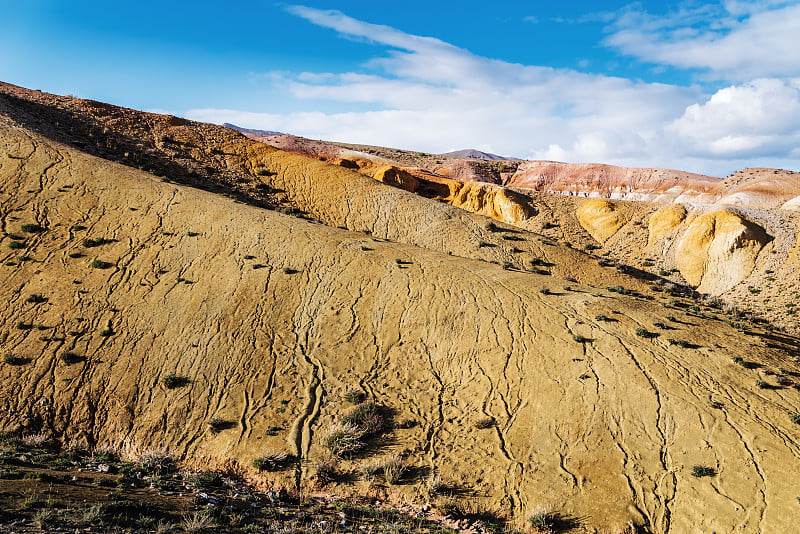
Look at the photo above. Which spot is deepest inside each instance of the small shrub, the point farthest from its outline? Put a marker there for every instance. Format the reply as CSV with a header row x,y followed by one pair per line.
x,y
45,516
326,469
172,381
196,523
580,339
436,486
449,506
507,265
795,418
393,470
217,425
93,513
78,228
24,326
288,270
484,422
10,359
70,357
100,264
90,243
600,317
738,360
32,228
35,298
271,460
541,518
703,471
192,234
355,397
545,291
342,439
643,332
75,255
158,460
761,384
369,471
16,245
369,417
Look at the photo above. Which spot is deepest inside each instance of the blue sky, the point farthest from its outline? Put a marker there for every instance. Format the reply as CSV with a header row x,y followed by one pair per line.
x,y
702,86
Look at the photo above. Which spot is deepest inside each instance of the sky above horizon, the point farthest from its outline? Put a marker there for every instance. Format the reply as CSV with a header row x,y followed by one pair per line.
x,y
708,87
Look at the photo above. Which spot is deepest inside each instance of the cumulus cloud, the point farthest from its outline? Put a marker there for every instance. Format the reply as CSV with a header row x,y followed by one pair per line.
x,y
733,40
758,118
422,93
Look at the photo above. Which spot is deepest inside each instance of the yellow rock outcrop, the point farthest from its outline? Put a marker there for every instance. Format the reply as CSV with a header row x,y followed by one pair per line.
x,y
601,218
719,250
664,221
397,177
491,201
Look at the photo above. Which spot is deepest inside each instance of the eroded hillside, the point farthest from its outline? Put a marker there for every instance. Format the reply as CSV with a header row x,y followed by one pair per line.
x,y
523,388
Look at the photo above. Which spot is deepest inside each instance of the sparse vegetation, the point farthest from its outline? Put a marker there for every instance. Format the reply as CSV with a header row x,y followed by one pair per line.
x,y
10,359
70,357
172,381
393,469
342,439
643,332
703,471
90,243
542,518
325,469
369,418
217,424
271,460
355,397
485,422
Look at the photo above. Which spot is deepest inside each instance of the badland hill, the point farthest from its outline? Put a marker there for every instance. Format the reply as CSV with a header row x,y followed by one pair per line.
x,y
452,344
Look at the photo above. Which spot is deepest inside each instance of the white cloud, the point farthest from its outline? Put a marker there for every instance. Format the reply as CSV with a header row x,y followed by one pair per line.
x,y
758,118
426,94
734,40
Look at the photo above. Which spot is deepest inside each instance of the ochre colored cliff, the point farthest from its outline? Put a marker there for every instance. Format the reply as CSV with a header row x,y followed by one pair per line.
x,y
600,218
718,250
664,221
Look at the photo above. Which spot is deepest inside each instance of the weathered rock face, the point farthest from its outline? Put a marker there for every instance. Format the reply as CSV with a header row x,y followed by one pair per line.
x,y
757,188
609,181
397,177
719,250
491,201
664,221
600,218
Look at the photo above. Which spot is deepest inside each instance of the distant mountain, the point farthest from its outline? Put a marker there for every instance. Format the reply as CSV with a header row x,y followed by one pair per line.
x,y
477,154
250,131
